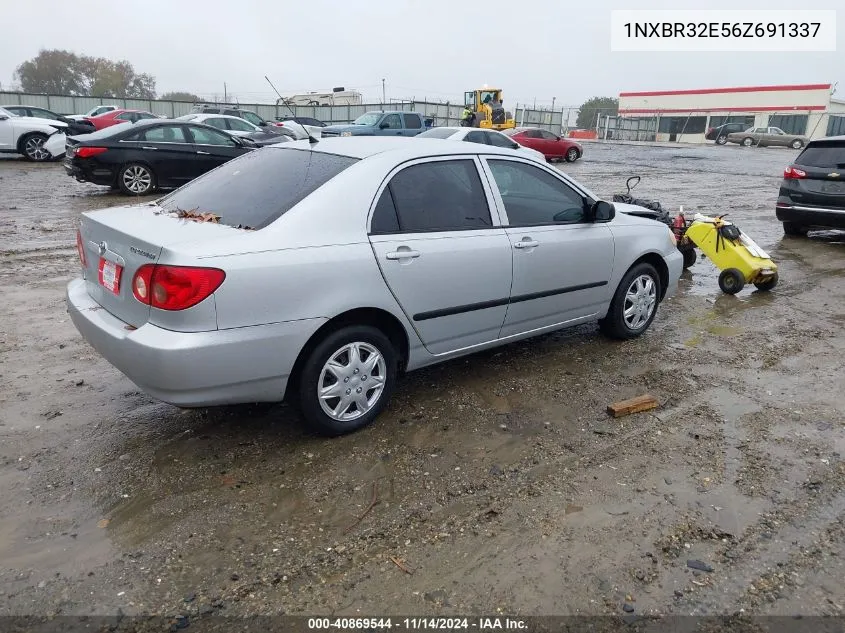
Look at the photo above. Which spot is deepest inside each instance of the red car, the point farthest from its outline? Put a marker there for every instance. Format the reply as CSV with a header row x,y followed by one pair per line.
x,y
115,117
553,147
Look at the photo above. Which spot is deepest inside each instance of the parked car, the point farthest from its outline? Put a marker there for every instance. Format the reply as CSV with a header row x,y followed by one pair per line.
x,y
242,128
95,111
302,126
484,137
232,110
333,266
812,193
151,154
720,132
552,146
767,136
73,126
379,123
116,117
27,135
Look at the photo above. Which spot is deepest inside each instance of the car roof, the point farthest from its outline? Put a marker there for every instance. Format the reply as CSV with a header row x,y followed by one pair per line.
x,y
827,139
210,115
402,148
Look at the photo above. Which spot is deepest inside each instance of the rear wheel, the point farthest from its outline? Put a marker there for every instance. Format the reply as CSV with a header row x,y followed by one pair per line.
x,y
748,141
347,380
32,147
767,285
797,144
721,140
571,155
136,179
690,257
731,281
794,230
634,304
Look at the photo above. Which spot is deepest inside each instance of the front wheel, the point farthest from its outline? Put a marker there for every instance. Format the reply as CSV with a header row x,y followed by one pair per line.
x,y
634,304
571,155
767,285
135,179
32,147
690,257
731,281
748,142
347,380
721,140
797,144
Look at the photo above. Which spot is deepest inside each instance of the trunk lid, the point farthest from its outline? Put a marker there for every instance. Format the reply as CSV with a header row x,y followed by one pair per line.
x,y
118,241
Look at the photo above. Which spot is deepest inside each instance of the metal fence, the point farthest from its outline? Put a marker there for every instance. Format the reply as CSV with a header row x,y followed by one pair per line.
x,y
443,114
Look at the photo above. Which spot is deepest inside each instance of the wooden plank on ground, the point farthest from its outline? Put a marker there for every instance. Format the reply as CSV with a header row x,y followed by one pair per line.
x,y
634,405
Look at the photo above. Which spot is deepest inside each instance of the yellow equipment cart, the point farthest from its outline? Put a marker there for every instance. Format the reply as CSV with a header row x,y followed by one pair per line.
x,y
734,253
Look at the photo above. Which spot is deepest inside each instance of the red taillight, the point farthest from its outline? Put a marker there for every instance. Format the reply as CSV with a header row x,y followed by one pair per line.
x,y
80,248
175,287
88,152
794,173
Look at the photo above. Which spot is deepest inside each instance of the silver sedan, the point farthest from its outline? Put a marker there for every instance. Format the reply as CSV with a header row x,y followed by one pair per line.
x,y
321,271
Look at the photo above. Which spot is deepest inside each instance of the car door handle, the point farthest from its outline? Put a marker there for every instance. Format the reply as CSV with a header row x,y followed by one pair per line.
x,y
404,254
145,147
526,244
204,153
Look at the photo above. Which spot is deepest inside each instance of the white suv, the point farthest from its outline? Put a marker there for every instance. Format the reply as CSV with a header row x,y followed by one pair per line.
x,y
27,135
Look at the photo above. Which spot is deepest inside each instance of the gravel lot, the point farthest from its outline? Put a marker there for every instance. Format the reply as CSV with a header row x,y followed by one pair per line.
x,y
500,484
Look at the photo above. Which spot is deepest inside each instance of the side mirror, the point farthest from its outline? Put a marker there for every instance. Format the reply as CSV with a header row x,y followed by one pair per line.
x,y
601,211
3,117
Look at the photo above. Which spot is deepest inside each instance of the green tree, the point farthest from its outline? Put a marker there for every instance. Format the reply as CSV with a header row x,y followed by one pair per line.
x,y
66,73
591,108
180,96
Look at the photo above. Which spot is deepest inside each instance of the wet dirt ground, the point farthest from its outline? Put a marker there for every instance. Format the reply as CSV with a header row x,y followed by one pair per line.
x,y
494,484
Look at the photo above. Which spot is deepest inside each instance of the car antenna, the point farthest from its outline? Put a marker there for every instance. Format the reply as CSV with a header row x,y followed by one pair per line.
x,y
311,139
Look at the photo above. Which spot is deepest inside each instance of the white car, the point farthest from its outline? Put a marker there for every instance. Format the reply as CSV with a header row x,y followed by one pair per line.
x,y
483,137
95,111
27,135
233,125
302,126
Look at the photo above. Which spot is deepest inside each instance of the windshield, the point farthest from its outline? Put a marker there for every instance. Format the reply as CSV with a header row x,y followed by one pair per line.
x,y
252,117
437,133
369,119
259,187
6,112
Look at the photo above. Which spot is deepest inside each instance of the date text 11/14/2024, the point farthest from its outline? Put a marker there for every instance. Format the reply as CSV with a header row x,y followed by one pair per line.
x,y
417,624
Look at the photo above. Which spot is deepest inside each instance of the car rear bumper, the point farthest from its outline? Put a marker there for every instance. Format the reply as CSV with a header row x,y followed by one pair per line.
x,y
87,171
809,216
194,369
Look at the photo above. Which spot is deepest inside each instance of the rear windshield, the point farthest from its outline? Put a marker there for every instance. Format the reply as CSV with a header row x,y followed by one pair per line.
x,y
259,187
825,155
106,132
437,133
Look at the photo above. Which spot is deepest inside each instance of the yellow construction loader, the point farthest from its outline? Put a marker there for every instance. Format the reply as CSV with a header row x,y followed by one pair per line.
x,y
486,104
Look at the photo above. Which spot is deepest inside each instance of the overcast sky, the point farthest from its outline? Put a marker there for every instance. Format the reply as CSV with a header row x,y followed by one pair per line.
x,y
532,49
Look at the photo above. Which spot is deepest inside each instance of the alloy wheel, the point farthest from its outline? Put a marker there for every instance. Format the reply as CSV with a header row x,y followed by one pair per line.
x,y
34,148
137,179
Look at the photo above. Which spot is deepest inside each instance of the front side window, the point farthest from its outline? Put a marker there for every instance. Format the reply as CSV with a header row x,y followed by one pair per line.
x,y
392,122
240,125
369,119
547,135
125,116
204,136
499,140
532,196
44,114
435,196
219,123
252,118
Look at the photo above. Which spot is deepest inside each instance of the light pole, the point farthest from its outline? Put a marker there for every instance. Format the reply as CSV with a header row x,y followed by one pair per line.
x,y
383,93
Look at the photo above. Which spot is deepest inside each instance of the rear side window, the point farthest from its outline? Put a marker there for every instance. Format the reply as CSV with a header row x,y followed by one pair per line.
x,y
440,196
385,220
476,137
412,121
259,187
825,155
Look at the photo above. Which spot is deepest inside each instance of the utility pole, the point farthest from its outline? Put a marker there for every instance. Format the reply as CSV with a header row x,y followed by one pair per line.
x,y
383,93
225,93
553,103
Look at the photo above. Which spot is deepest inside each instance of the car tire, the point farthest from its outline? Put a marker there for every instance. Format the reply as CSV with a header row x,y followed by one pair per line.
x,y
794,230
721,140
572,155
767,285
748,141
641,282
315,374
797,144
731,281
32,147
690,257
136,179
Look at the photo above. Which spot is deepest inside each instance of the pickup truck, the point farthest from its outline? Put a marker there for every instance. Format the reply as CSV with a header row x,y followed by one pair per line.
x,y
379,123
